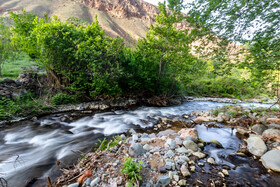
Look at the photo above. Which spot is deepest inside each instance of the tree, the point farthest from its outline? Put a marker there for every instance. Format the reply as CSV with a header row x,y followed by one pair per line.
x,y
166,49
253,23
80,58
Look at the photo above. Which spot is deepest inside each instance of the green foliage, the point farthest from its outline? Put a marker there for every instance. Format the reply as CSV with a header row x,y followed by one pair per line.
x,y
165,51
107,144
252,23
6,47
132,170
63,99
222,87
21,106
77,21
83,59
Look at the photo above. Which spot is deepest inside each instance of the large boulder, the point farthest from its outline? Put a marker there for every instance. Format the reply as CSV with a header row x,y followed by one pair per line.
x,y
271,160
256,146
192,132
271,134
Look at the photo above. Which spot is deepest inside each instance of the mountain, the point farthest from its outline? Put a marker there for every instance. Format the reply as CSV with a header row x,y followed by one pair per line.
x,y
128,19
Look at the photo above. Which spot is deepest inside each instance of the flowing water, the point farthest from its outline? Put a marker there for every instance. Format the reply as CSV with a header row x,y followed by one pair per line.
x,y
30,149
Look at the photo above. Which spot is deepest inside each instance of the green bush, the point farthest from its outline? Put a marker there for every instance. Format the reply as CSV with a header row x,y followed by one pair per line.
x,y
62,99
224,86
21,106
132,171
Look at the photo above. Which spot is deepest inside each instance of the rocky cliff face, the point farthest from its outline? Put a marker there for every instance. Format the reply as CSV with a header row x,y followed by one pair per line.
x,y
125,8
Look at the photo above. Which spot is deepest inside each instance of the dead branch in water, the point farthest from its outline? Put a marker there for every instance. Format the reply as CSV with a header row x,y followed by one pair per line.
x,y
3,182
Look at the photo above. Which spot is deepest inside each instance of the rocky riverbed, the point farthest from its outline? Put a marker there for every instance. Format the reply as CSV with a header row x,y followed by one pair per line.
x,y
196,150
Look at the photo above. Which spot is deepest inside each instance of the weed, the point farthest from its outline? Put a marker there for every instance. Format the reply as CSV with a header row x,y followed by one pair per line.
x,y
132,171
106,144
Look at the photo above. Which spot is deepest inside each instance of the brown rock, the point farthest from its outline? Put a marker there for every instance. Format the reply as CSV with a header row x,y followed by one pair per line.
x,y
201,119
271,134
192,132
273,120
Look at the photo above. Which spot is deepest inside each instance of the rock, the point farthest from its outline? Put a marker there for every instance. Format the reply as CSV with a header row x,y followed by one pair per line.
x,y
65,119
182,150
192,132
169,154
184,170
147,147
182,182
176,177
201,119
163,181
218,144
170,143
192,168
200,164
94,182
135,137
6,80
153,135
200,155
272,135
183,157
162,169
190,145
242,133
179,163
258,128
74,185
168,165
145,137
178,141
167,132
211,161
136,149
225,172
200,145
271,160
273,120
274,126
256,146
87,182
132,131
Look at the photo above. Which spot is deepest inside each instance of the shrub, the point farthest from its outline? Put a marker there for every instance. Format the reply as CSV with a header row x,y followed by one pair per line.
x,y
132,170
62,99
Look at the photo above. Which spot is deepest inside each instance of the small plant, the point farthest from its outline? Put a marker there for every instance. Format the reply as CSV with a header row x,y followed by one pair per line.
x,y
215,112
132,171
106,144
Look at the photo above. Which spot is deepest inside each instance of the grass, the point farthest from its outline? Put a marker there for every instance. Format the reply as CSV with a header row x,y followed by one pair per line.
x,y
11,69
23,106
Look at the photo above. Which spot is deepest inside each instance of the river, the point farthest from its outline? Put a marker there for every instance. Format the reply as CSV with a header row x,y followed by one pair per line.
x,y
30,149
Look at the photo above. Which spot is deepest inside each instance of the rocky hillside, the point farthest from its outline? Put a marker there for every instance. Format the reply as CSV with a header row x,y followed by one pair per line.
x,y
128,19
